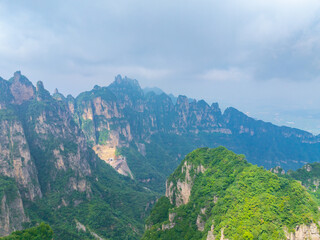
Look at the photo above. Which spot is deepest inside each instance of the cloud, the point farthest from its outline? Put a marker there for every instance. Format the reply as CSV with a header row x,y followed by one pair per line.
x,y
238,52
230,75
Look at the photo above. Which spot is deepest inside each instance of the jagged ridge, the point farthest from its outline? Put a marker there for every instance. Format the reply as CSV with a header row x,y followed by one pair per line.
x,y
48,172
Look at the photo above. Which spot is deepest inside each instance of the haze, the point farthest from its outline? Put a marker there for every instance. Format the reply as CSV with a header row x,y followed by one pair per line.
x,y
261,56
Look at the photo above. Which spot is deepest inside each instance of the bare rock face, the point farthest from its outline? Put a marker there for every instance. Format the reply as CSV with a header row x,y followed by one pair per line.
x,y
70,148
15,159
12,213
21,89
179,193
171,223
200,223
119,130
303,232
118,162
210,235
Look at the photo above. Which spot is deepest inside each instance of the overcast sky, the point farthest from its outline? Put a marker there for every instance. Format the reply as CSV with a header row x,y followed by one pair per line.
x,y
261,56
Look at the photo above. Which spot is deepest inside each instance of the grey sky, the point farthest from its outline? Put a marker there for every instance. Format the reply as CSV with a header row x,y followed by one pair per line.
x,y
261,56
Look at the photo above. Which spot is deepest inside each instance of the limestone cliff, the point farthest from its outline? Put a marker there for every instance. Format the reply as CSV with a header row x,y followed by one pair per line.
x,y
302,232
123,116
12,214
15,158
21,88
178,191
39,140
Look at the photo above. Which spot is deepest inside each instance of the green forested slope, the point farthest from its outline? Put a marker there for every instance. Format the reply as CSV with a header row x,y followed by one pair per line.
x,y
41,232
230,195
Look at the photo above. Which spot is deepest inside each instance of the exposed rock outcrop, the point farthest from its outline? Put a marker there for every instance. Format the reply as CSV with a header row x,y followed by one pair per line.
x,y
12,214
179,193
21,88
15,159
304,232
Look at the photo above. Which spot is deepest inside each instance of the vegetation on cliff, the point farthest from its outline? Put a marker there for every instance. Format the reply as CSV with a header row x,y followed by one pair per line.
x,y
40,232
231,196
47,162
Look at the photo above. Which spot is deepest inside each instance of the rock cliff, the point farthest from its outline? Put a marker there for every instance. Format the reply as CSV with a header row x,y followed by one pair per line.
x,y
123,116
51,145
48,169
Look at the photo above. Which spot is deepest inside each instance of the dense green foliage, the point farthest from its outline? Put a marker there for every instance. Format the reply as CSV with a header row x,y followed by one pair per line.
x,y
7,187
159,212
8,114
103,136
309,176
41,232
115,209
246,201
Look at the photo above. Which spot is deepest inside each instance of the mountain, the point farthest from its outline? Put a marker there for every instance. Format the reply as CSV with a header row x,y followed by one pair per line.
x,y
49,173
217,194
93,165
146,135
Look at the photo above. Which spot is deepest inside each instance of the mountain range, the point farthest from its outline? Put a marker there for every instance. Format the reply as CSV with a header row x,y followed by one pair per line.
x,y
93,165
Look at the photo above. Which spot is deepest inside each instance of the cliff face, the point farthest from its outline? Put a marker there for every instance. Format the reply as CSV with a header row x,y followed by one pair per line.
x,y
11,208
303,232
18,173
33,133
51,145
161,132
47,168
16,159
216,194
179,191
21,89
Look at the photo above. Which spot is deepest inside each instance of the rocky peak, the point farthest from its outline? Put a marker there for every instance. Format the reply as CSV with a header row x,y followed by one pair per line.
x,y
21,88
40,86
97,87
42,93
182,101
202,105
126,81
215,107
58,96
126,86
17,75
128,92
